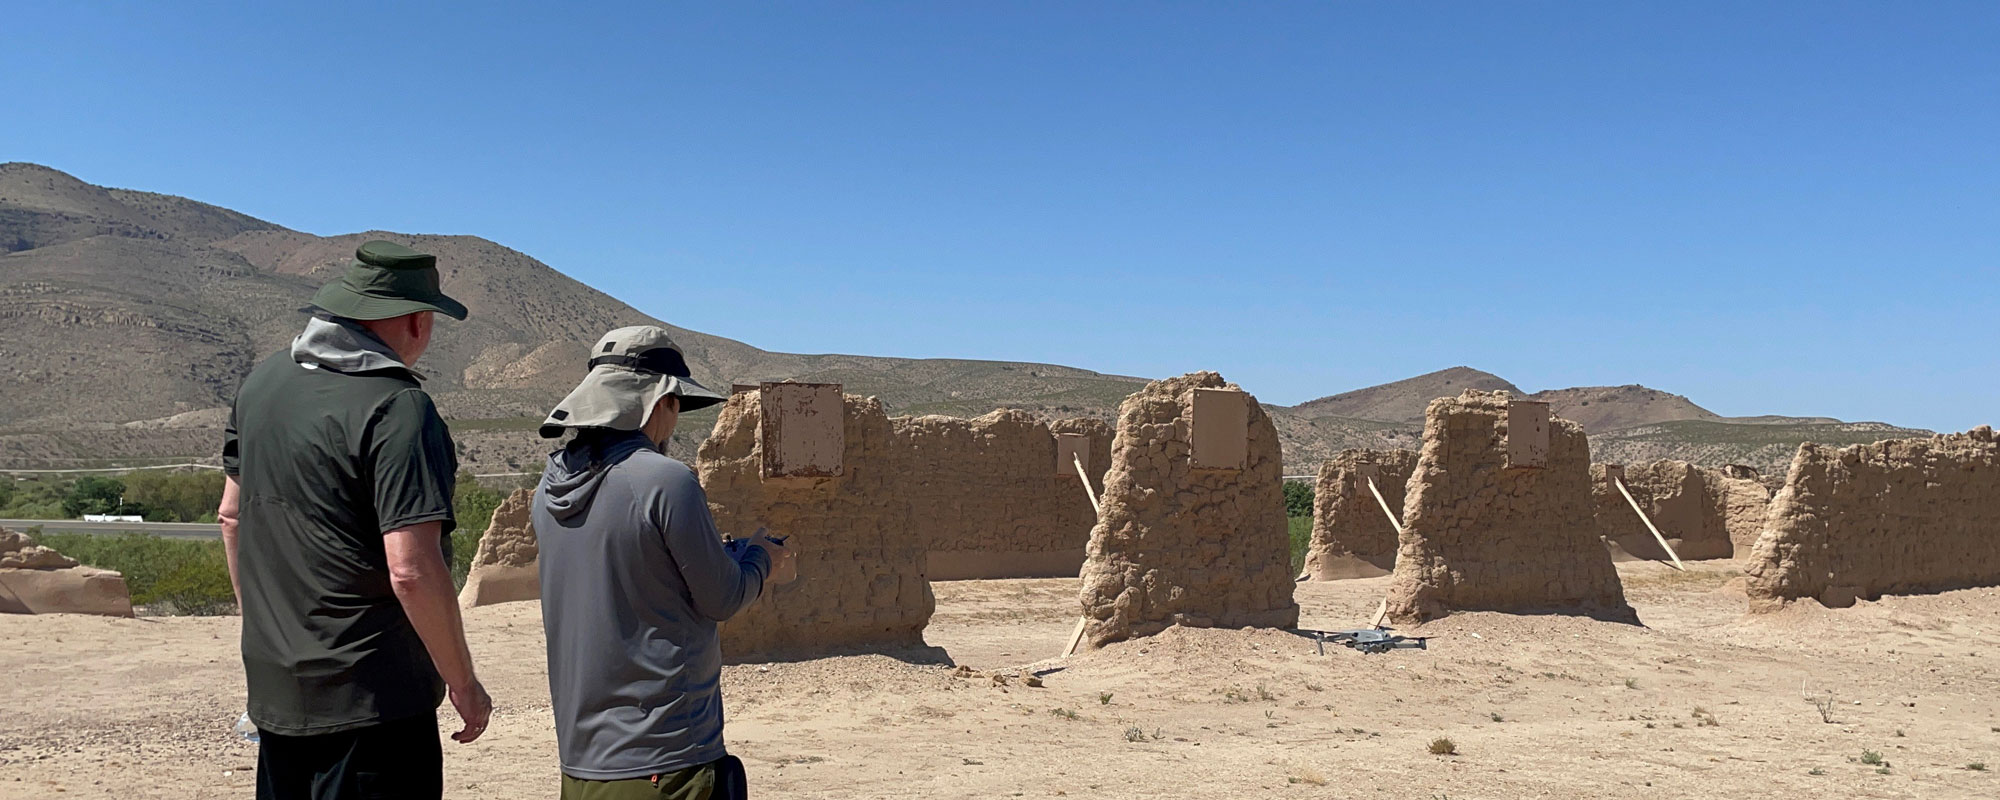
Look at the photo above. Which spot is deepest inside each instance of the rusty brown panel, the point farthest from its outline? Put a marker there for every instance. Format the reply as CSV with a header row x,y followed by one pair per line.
x,y
1527,433
801,429
1221,428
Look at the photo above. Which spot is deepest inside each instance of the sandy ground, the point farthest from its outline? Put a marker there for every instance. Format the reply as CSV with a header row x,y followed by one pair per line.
x,y
1703,701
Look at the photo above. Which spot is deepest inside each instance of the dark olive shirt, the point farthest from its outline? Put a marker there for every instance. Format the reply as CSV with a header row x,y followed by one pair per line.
x,y
327,463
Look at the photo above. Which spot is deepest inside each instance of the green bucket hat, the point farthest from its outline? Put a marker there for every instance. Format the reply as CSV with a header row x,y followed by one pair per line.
x,y
387,280
630,370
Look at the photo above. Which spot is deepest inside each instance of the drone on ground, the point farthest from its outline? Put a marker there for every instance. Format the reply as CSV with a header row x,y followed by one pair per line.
x,y
1379,639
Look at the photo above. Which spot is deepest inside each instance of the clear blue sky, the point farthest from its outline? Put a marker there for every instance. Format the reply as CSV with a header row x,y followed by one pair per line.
x,y
1768,207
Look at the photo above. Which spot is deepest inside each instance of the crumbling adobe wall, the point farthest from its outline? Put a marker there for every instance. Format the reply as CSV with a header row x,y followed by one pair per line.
x,y
1898,516
38,580
1180,545
503,568
861,560
1351,536
1684,501
1745,501
1480,535
986,496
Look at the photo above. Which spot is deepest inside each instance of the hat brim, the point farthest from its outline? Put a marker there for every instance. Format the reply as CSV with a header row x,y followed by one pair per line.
x,y
622,399
341,301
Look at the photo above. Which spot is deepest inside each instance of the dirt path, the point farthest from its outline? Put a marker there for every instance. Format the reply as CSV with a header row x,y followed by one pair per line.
x,y
1701,702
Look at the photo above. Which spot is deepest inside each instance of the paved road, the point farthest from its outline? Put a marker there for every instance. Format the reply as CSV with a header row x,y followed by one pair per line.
x,y
176,530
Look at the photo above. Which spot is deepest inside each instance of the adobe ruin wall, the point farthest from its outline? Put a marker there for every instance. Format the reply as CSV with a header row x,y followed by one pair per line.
x,y
503,568
1352,537
1501,520
1893,517
861,559
35,579
1193,525
989,497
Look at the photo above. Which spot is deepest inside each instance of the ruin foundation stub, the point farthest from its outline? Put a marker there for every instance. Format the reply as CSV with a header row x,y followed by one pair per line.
x,y
503,568
1893,517
1193,523
1499,517
827,472
1351,536
38,580
998,496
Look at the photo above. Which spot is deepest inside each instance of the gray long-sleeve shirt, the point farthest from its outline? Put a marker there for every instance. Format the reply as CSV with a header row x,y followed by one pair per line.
x,y
634,579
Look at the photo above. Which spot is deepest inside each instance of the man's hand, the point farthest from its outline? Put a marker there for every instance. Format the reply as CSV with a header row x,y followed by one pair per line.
x,y
784,562
474,707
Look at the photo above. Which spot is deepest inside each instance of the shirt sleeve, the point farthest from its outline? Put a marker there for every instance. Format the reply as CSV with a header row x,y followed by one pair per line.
x,y
719,584
415,468
232,447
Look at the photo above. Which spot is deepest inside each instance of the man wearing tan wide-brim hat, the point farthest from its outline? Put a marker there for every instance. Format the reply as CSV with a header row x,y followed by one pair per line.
x,y
635,579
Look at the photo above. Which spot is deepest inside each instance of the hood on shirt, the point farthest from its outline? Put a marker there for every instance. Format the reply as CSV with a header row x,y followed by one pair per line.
x,y
573,473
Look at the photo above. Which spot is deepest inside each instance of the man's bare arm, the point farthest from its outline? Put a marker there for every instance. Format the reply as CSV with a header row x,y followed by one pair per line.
x,y
226,514
422,582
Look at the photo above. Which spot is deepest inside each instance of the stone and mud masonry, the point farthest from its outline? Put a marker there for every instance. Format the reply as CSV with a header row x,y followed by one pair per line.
x,y
823,468
1000,496
1499,517
1703,513
1902,516
503,568
37,580
1193,525
1352,537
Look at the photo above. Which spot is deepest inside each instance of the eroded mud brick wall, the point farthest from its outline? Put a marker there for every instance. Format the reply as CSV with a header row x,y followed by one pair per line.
x,y
1684,501
1193,529
1351,536
861,562
503,568
990,497
1899,516
1745,500
1499,517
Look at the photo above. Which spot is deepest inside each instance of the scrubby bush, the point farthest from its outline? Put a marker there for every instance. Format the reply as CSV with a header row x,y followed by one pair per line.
x,y
1298,499
174,495
1300,531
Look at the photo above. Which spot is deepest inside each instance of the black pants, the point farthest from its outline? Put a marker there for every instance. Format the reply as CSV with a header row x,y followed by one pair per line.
x,y
394,760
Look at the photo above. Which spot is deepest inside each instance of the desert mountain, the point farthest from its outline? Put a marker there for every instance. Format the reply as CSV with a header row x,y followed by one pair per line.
x,y
130,317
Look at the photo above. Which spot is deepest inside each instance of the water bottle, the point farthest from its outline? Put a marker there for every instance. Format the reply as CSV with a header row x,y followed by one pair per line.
x,y
246,729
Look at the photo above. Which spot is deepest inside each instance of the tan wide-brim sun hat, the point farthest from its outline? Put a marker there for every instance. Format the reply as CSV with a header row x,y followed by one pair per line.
x,y
630,370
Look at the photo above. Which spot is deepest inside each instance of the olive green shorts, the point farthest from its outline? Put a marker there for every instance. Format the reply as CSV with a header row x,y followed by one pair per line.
x,y
693,783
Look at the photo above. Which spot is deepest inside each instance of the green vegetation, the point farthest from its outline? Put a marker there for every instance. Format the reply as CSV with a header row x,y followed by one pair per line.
x,y
472,505
1300,531
159,495
184,576
1873,759
1443,747
1298,499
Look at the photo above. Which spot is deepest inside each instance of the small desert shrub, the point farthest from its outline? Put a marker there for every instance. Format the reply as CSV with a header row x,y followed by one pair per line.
x,y
1104,698
1135,734
1265,694
1977,766
1873,759
1443,747
1705,719
1307,776
1631,683
1065,713
1496,717
1815,771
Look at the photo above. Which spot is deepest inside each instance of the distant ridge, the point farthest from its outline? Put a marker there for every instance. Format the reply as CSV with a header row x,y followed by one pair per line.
x,y
130,317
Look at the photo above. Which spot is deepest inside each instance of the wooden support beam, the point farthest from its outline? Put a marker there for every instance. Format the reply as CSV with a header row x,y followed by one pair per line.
x,y
1620,483
1087,491
1385,507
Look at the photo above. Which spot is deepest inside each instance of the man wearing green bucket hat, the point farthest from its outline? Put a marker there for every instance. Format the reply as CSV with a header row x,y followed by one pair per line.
x,y
335,519
635,579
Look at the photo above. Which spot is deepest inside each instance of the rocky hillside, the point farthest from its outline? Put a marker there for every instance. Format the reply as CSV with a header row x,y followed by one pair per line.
x,y
130,317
